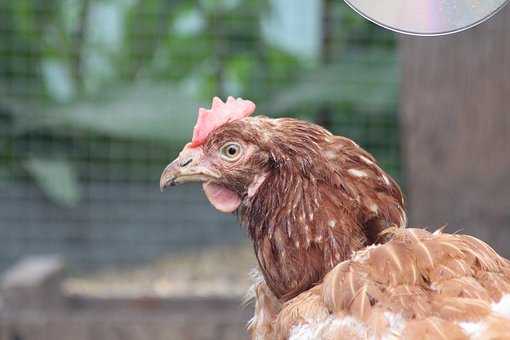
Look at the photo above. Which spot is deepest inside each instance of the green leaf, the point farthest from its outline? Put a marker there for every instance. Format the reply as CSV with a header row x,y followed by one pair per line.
x,y
364,81
146,111
57,179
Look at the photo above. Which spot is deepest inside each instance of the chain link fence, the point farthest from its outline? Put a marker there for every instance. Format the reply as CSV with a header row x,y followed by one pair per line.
x,y
96,96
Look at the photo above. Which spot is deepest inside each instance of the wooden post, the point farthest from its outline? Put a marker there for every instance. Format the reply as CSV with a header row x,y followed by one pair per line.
x,y
456,130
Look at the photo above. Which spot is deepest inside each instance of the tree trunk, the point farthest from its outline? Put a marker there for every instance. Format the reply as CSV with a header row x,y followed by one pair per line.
x,y
456,130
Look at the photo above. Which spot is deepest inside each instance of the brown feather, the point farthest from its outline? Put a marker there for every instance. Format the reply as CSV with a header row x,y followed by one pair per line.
x,y
323,197
314,219
432,295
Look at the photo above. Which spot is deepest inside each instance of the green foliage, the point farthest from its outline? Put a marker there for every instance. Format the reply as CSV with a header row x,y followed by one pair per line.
x,y
143,112
366,81
56,177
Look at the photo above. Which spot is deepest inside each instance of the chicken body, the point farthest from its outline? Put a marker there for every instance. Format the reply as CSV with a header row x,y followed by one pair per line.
x,y
418,285
314,204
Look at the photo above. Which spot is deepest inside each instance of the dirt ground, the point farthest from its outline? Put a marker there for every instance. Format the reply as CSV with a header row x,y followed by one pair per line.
x,y
218,271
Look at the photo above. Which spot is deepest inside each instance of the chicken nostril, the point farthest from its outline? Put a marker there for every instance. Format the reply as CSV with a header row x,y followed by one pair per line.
x,y
186,162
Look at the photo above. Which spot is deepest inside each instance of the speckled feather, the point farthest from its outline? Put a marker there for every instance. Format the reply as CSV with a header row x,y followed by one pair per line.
x,y
418,285
323,197
321,204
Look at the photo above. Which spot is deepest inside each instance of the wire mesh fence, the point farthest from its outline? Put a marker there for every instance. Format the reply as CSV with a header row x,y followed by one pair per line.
x,y
96,96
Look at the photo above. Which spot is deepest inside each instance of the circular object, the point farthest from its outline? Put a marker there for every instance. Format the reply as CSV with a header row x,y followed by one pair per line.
x,y
427,17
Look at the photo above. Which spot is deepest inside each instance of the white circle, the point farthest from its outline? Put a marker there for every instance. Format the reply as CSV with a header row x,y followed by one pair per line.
x,y
427,17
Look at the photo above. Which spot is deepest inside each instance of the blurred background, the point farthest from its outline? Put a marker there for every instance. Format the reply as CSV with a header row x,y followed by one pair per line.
x,y
97,96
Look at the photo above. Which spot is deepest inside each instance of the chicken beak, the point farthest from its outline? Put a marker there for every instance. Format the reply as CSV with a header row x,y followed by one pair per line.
x,y
189,166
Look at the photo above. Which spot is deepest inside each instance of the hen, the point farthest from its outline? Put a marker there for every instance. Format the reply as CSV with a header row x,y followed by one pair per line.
x,y
327,225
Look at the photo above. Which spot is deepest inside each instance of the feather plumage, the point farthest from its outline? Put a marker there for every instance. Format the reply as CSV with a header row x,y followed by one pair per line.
x,y
327,225
417,285
322,198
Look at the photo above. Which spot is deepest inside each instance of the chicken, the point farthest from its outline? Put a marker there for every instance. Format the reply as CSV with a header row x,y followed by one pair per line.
x,y
328,230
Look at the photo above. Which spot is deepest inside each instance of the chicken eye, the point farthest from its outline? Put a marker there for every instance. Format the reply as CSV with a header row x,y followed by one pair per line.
x,y
230,151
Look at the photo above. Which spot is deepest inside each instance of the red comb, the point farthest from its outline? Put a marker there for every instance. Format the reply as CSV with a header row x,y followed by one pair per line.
x,y
219,114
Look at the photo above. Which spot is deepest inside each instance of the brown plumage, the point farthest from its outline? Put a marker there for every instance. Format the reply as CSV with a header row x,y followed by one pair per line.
x,y
313,204
417,285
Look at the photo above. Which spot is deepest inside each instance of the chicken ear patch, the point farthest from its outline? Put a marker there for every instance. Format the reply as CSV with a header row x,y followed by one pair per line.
x,y
219,114
220,197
